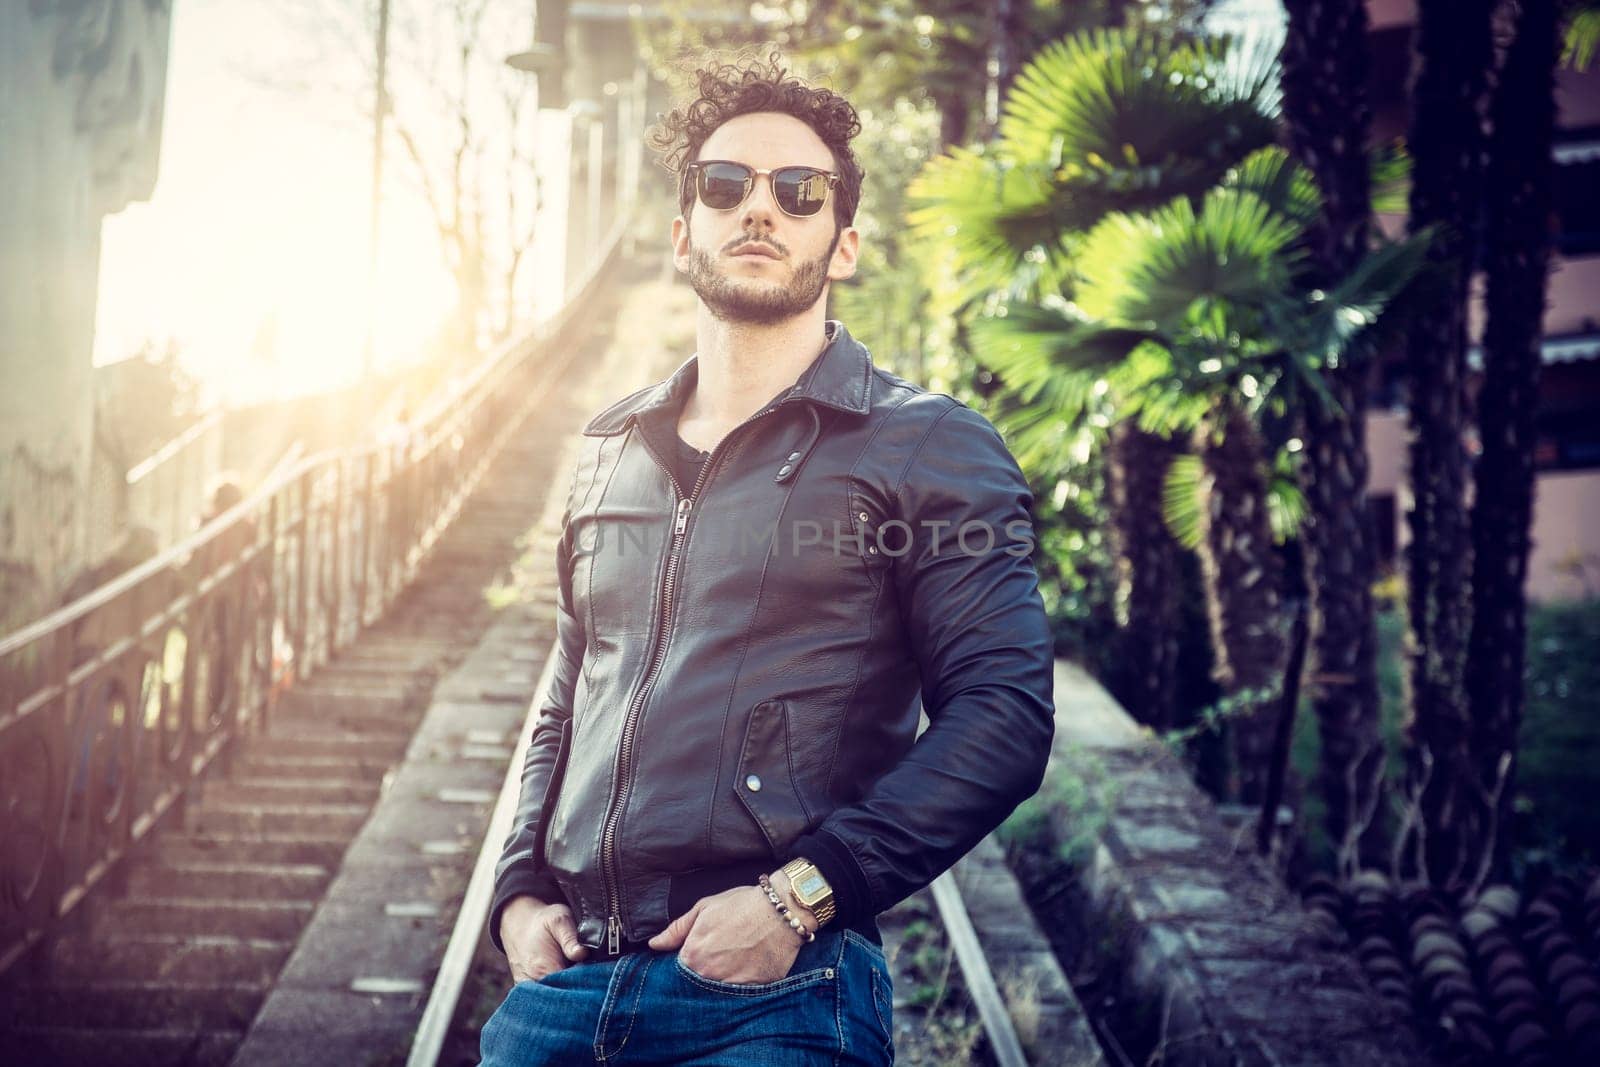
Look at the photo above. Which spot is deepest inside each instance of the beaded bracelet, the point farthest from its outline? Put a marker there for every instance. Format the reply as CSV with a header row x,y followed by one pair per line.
x,y
783,910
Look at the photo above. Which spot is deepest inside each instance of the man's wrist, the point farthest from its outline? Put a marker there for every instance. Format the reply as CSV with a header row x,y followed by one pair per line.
x,y
780,882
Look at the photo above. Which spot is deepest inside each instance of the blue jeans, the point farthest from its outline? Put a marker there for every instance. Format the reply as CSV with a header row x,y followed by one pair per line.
x,y
833,1007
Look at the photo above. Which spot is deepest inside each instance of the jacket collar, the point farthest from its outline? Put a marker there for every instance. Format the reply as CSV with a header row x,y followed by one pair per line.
x,y
839,378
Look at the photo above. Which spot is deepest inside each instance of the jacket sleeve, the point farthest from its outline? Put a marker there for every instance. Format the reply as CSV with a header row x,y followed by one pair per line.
x,y
519,869
975,622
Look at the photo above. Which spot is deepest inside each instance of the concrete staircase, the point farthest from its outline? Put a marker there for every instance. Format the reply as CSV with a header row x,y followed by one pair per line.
x,y
172,966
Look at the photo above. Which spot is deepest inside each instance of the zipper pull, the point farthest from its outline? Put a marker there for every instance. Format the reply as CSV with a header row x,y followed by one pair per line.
x,y
683,515
613,935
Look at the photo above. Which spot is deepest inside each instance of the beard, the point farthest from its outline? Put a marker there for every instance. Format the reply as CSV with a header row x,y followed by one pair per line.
x,y
756,300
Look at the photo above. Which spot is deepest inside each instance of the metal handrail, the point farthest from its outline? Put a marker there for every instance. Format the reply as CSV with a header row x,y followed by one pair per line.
x,y
145,467
113,706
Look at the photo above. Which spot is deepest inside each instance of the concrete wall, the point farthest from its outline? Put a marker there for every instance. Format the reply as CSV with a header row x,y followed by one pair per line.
x,y
82,89
1208,942
1564,561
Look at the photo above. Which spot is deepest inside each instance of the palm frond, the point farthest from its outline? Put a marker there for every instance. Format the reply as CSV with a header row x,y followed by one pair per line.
x,y
1128,118
1365,301
1034,342
1181,501
1581,37
988,212
1154,267
1286,504
1281,183
1045,435
1390,169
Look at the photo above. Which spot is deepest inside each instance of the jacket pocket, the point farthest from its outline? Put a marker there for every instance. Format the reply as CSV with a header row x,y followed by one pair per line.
x,y
870,540
552,794
765,783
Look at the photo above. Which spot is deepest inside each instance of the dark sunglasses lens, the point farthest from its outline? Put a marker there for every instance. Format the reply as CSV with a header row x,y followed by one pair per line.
x,y
722,185
800,190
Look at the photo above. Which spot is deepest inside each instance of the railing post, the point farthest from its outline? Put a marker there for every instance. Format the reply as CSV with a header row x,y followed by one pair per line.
x,y
301,607
269,613
336,544
368,462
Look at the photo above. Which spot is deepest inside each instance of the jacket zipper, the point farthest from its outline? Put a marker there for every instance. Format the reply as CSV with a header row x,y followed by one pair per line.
x,y
684,504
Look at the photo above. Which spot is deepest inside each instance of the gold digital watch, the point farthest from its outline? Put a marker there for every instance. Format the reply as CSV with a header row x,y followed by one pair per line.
x,y
810,888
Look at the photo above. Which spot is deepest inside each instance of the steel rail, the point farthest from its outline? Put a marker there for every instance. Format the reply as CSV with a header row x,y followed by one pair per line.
x,y
454,966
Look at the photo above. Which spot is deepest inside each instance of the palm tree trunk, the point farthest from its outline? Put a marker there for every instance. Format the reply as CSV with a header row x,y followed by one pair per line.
x,y
1518,241
1147,575
1325,104
1241,582
1447,144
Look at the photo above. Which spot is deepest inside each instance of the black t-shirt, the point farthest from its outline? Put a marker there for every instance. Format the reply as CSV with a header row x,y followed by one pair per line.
x,y
686,462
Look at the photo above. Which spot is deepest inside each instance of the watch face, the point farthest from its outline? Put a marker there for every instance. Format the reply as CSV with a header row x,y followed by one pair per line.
x,y
811,886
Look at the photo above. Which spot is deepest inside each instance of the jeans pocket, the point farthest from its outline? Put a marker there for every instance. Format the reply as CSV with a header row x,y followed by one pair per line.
x,y
795,979
871,959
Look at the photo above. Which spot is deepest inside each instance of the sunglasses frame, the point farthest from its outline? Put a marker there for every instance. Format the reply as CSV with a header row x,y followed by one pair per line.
x,y
696,171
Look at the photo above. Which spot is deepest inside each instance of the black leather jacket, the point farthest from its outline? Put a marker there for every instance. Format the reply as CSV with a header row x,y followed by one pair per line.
x,y
740,660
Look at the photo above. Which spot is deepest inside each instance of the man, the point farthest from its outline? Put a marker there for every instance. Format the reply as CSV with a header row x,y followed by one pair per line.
x,y
763,559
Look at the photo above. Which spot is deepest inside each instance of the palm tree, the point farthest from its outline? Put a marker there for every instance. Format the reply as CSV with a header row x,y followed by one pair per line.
x,y
1198,319
1446,142
1327,117
1129,123
1148,578
1519,197
1106,121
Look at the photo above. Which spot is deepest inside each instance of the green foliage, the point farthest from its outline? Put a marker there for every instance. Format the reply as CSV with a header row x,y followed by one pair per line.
x,y
1227,708
991,215
1391,178
1558,773
1182,498
1077,572
1581,36
1280,183
1558,769
1069,811
884,302
1101,122
1128,120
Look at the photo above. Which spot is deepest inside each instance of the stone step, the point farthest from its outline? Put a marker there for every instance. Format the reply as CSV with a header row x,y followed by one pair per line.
x,y
323,850
280,818
134,1005
356,767
353,719
358,673
318,789
229,881
322,703
390,647
287,741
38,1046
396,724
168,957
274,920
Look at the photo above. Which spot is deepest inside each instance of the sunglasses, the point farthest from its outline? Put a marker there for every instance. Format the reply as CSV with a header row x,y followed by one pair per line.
x,y
722,185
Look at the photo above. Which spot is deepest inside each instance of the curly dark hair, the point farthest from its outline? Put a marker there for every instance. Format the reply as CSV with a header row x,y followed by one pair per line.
x,y
748,84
